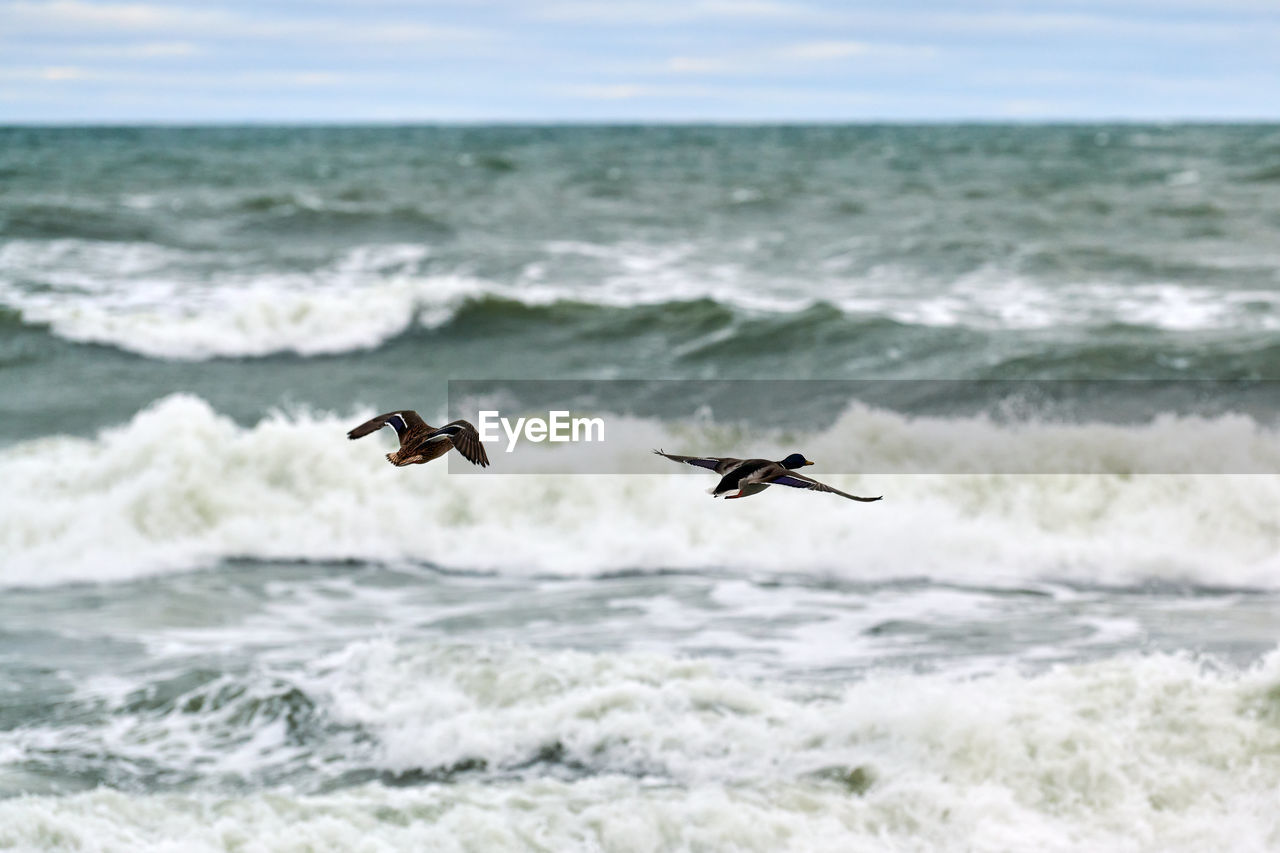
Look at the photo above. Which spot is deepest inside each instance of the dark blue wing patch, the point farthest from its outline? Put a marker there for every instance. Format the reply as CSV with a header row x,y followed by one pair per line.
x,y
398,423
794,482
449,430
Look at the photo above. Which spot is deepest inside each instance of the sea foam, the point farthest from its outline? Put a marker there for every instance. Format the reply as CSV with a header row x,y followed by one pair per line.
x,y
188,305
1133,753
180,487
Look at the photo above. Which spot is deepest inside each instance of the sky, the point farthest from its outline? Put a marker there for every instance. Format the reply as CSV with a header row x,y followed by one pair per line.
x,y
80,61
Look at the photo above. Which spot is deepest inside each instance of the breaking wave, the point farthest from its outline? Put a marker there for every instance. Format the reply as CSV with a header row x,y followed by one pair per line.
x,y
625,752
181,487
179,304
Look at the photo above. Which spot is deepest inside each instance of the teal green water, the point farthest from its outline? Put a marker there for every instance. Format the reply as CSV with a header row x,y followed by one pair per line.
x,y
224,625
329,255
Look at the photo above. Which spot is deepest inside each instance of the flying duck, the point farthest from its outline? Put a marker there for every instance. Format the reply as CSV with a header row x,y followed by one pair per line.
x,y
420,442
750,476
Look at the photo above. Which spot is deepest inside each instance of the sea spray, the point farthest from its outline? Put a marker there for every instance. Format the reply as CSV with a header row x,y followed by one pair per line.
x,y
1133,753
181,487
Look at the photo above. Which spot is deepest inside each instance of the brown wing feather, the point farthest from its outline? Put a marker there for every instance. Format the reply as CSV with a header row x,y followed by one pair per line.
x,y
465,440
411,420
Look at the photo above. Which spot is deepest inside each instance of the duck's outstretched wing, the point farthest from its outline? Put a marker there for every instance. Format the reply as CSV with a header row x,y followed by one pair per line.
x,y
401,421
719,464
465,440
800,481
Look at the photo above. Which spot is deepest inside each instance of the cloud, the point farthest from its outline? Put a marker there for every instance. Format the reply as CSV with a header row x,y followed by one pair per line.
x,y
1115,20
725,93
1207,7
49,73
1130,18
136,50
74,15
1031,108
794,57
151,50
657,13
65,19
630,91
820,50
200,80
526,59
61,73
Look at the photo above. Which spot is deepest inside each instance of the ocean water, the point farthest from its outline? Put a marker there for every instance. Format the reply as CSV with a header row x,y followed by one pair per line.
x,y
223,626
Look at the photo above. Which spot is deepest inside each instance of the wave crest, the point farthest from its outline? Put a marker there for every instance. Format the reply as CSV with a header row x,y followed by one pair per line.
x,y
181,487
1155,753
168,303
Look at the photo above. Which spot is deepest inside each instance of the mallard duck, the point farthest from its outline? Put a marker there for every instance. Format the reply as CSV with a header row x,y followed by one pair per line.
x,y
420,442
751,476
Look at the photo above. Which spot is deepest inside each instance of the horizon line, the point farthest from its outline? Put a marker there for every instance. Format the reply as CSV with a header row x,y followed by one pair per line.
x,y
637,122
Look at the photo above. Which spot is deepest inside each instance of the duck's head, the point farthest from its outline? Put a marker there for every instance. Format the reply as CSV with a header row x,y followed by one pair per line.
x,y
795,460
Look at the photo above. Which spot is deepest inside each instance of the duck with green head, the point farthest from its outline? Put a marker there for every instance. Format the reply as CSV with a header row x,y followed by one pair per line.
x,y
752,476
